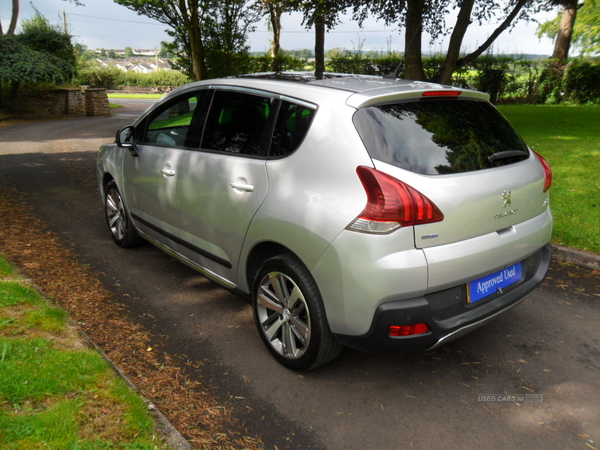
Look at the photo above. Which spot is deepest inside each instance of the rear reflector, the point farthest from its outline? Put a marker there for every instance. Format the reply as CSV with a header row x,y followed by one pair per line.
x,y
408,330
447,93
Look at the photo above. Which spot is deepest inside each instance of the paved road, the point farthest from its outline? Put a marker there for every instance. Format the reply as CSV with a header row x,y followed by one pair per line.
x,y
548,346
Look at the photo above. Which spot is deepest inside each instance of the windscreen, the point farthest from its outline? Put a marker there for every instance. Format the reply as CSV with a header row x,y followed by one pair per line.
x,y
436,137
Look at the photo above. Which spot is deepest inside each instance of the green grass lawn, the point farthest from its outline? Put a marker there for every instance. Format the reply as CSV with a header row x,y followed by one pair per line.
x,y
55,392
152,96
568,137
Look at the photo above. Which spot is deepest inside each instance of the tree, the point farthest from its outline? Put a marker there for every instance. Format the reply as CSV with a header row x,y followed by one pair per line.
x,y
40,35
21,64
226,34
40,53
15,16
274,9
418,16
562,44
585,31
13,19
191,22
322,15
185,17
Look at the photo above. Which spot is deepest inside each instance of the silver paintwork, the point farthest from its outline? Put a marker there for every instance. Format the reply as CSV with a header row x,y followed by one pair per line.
x,y
228,205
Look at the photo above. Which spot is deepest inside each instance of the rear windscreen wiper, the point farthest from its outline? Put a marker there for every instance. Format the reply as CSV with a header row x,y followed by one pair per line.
x,y
507,154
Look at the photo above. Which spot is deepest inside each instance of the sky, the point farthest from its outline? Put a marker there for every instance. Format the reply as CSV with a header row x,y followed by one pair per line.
x,y
106,24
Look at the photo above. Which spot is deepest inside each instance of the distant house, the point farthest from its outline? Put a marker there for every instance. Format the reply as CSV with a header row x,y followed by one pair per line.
x,y
138,51
139,64
124,66
142,68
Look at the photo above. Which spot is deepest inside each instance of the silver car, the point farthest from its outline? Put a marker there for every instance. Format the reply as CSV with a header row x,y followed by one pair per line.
x,y
365,212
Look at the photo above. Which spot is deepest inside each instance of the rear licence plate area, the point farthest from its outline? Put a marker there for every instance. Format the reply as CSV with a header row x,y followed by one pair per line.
x,y
493,283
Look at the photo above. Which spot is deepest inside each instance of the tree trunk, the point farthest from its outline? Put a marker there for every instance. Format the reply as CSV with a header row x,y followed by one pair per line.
x,y
197,54
463,20
319,47
275,18
413,67
13,19
565,31
192,24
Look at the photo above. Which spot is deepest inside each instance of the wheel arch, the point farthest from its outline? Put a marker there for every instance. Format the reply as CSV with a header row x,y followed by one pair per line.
x,y
261,253
106,178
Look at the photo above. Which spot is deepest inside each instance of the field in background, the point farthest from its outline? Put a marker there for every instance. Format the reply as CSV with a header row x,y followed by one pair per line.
x,y
568,137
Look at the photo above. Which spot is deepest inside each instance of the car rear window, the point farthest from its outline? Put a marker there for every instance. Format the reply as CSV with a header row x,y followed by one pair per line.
x,y
436,137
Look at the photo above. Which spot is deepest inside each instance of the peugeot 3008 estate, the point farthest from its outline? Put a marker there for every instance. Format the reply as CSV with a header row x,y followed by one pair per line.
x,y
355,211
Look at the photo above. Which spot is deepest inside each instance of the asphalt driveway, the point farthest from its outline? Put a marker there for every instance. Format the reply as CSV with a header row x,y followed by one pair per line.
x,y
528,380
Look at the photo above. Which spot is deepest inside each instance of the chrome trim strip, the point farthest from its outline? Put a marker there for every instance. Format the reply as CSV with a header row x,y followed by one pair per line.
x,y
467,329
204,271
245,90
299,102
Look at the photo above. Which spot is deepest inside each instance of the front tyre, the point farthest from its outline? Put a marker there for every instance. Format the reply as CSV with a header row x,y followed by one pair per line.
x,y
290,316
119,221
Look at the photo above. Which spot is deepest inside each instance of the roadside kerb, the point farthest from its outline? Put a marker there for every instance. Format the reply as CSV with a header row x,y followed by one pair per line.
x,y
166,429
576,257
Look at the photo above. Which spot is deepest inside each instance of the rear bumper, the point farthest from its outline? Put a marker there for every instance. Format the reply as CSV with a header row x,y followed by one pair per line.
x,y
446,313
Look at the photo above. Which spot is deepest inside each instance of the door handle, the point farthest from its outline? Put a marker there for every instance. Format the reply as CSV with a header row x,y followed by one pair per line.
x,y
167,171
241,185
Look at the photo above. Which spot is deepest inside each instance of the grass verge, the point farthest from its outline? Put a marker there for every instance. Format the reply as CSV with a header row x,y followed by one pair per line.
x,y
568,137
165,379
55,392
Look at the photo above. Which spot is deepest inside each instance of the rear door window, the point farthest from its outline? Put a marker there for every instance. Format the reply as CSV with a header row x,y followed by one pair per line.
x,y
236,123
436,137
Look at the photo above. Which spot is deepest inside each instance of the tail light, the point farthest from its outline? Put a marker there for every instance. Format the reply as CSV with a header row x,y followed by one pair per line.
x,y
391,204
547,171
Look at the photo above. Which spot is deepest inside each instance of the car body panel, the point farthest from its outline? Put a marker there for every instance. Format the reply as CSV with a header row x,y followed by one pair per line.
x,y
359,272
214,215
151,189
214,209
477,203
386,268
315,177
459,262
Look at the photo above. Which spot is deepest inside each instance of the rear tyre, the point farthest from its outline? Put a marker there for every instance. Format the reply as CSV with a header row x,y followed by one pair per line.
x,y
119,221
290,316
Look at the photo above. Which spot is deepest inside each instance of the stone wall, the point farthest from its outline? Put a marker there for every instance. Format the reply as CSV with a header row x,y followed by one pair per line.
x,y
75,102
96,102
80,102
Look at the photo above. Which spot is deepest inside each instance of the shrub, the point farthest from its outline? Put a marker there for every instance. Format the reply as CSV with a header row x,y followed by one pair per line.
x,y
492,75
581,81
550,83
99,77
155,79
282,63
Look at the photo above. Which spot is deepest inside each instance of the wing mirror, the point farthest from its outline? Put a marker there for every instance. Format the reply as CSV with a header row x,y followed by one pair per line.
x,y
126,139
